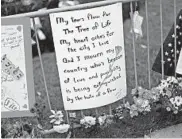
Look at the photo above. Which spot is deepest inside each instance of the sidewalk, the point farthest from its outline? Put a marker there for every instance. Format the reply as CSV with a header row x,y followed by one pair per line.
x,y
169,132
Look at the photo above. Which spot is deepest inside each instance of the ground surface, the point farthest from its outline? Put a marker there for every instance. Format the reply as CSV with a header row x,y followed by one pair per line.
x,y
169,132
136,127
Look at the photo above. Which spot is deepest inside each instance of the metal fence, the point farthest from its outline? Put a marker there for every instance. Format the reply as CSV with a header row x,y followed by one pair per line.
x,y
33,15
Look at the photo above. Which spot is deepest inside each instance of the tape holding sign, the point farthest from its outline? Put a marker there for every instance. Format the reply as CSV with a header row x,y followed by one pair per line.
x,y
90,55
17,92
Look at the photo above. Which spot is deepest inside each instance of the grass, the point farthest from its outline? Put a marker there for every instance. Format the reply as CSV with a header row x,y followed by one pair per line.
x,y
136,127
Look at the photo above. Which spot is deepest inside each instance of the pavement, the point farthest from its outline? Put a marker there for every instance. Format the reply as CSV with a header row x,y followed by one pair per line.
x,y
169,132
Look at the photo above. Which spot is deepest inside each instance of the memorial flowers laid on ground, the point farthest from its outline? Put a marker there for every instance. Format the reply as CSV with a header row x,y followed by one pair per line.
x,y
57,117
103,121
58,122
88,121
168,93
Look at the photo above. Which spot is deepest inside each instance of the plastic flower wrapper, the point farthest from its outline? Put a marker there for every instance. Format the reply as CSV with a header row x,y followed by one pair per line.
x,y
88,121
154,94
138,101
145,95
142,104
137,91
141,91
63,128
57,117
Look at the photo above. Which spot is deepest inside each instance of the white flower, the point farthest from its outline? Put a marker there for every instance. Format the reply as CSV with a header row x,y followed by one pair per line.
x,y
168,109
133,113
172,79
175,112
88,121
148,108
61,128
172,100
178,100
102,119
145,104
57,117
163,84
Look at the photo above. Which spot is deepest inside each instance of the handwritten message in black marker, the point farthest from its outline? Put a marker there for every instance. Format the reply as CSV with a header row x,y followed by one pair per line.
x,y
90,56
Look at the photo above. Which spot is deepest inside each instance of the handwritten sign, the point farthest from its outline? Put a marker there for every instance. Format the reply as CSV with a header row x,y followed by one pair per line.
x,y
179,65
90,56
17,92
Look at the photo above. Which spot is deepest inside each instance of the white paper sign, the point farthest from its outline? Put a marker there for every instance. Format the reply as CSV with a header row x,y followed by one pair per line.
x,y
179,65
16,86
12,53
90,56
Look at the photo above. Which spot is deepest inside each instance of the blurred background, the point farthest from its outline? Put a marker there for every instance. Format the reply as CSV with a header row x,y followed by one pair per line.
x,y
12,7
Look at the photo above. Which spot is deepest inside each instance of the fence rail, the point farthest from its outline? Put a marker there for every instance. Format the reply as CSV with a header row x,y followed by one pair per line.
x,y
70,8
